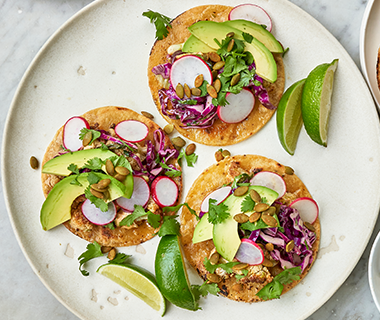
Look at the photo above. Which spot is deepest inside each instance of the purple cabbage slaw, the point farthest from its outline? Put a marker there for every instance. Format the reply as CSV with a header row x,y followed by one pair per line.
x,y
204,114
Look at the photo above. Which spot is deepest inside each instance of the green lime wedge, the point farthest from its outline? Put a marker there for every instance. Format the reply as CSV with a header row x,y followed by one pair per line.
x,y
138,281
316,101
289,117
171,274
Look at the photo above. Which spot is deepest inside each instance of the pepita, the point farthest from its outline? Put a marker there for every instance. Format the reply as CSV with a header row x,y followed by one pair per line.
x,y
218,156
219,65
97,194
214,259
226,153
111,254
106,194
87,138
187,90
122,170
213,278
169,128
269,246
261,207
198,80
289,246
179,90
147,114
178,142
230,35
235,79
230,45
217,85
269,220
214,57
289,170
211,91
240,266
267,263
120,177
102,184
106,249
309,226
237,287
255,196
190,149
254,217
271,211
110,168
241,218
196,92
240,191
33,162
214,74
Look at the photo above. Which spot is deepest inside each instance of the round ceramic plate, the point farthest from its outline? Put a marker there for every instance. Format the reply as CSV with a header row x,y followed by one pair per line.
x,y
374,271
369,45
99,58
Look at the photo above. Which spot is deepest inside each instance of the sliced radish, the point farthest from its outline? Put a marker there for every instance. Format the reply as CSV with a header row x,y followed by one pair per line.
x,y
219,195
238,108
131,130
71,132
140,195
164,191
251,12
250,252
307,209
270,180
97,216
187,68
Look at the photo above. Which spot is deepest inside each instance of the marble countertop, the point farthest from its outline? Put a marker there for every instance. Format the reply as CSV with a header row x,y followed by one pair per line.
x,y
24,27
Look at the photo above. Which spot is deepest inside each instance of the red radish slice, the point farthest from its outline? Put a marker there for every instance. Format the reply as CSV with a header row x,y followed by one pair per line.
x,y
71,132
219,195
307,209
270,180
131,130
164,191
238,108
187,68
97,216
251,12
250,252
140,195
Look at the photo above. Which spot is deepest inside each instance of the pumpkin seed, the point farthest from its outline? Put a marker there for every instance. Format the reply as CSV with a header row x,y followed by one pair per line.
x,y
120,177
87,138
198,81
190,149
254,217
230,45
241,218
110,168
214,259
219,156
196,92
309,226
211,91
187,90
122,170
169,128
178,142
33,162
267,263
106,194
96,188
230,34
289,170
214,57
111,254
97,194
106,249
214,74
261,207
147,114
217,85
219,65
240,266
289,246
237,287
235,79
240,191
226,153
213,278
269,246
277,206
179,90
271,211
102,184
269,220
255,196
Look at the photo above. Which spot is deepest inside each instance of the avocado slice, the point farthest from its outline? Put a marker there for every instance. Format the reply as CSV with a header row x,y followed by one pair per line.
x,y
58,165
57,207
257,31
225,235
203,230
193,44
207,31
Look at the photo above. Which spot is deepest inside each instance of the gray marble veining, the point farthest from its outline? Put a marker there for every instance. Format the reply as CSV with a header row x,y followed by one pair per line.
x,y
25,25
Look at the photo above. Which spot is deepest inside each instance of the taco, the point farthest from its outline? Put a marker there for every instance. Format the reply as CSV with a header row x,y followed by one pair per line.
x,y
197,117
283,244
143,162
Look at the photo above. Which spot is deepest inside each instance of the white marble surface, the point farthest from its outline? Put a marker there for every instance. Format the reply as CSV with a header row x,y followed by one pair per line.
x,y
24,27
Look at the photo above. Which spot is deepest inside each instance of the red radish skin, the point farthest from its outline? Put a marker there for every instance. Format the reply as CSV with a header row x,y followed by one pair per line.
x,y
238,108
270,180
97,216
131,130
307,209
219,195
71,131
140,195
187,68
251,12
250,252
164,191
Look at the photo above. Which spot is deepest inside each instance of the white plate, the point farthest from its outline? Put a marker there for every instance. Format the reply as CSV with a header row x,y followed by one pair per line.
x,y
374,271
99,57
369,45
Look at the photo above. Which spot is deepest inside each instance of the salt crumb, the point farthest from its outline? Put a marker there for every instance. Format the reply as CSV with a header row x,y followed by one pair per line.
x,y
112,301
140,249
69,251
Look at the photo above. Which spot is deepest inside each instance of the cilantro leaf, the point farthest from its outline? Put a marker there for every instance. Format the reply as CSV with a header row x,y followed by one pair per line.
x,y
188,102
130,219
240,179
94,164
99,203
171,172
110,225
225,266
190,159
179,206
288,275
204,289
240,276
120,259
217,213
170,226
95,134
248,204
160,21
154,219
121,161
285,51
103,146
73,168
93,178
93,251
247,37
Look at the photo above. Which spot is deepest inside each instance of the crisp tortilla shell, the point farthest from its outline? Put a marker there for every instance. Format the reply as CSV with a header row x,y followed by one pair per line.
x,y
103,119
213,178
220,134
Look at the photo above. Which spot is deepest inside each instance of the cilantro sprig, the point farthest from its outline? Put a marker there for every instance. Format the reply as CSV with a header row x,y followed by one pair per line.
x,y
217,213
95,134
94,250
225,266
130,219
161,22
190,159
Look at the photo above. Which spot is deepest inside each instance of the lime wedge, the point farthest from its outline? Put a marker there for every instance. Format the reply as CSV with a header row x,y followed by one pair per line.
x,y
316,101
138,281
171,274
289,117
